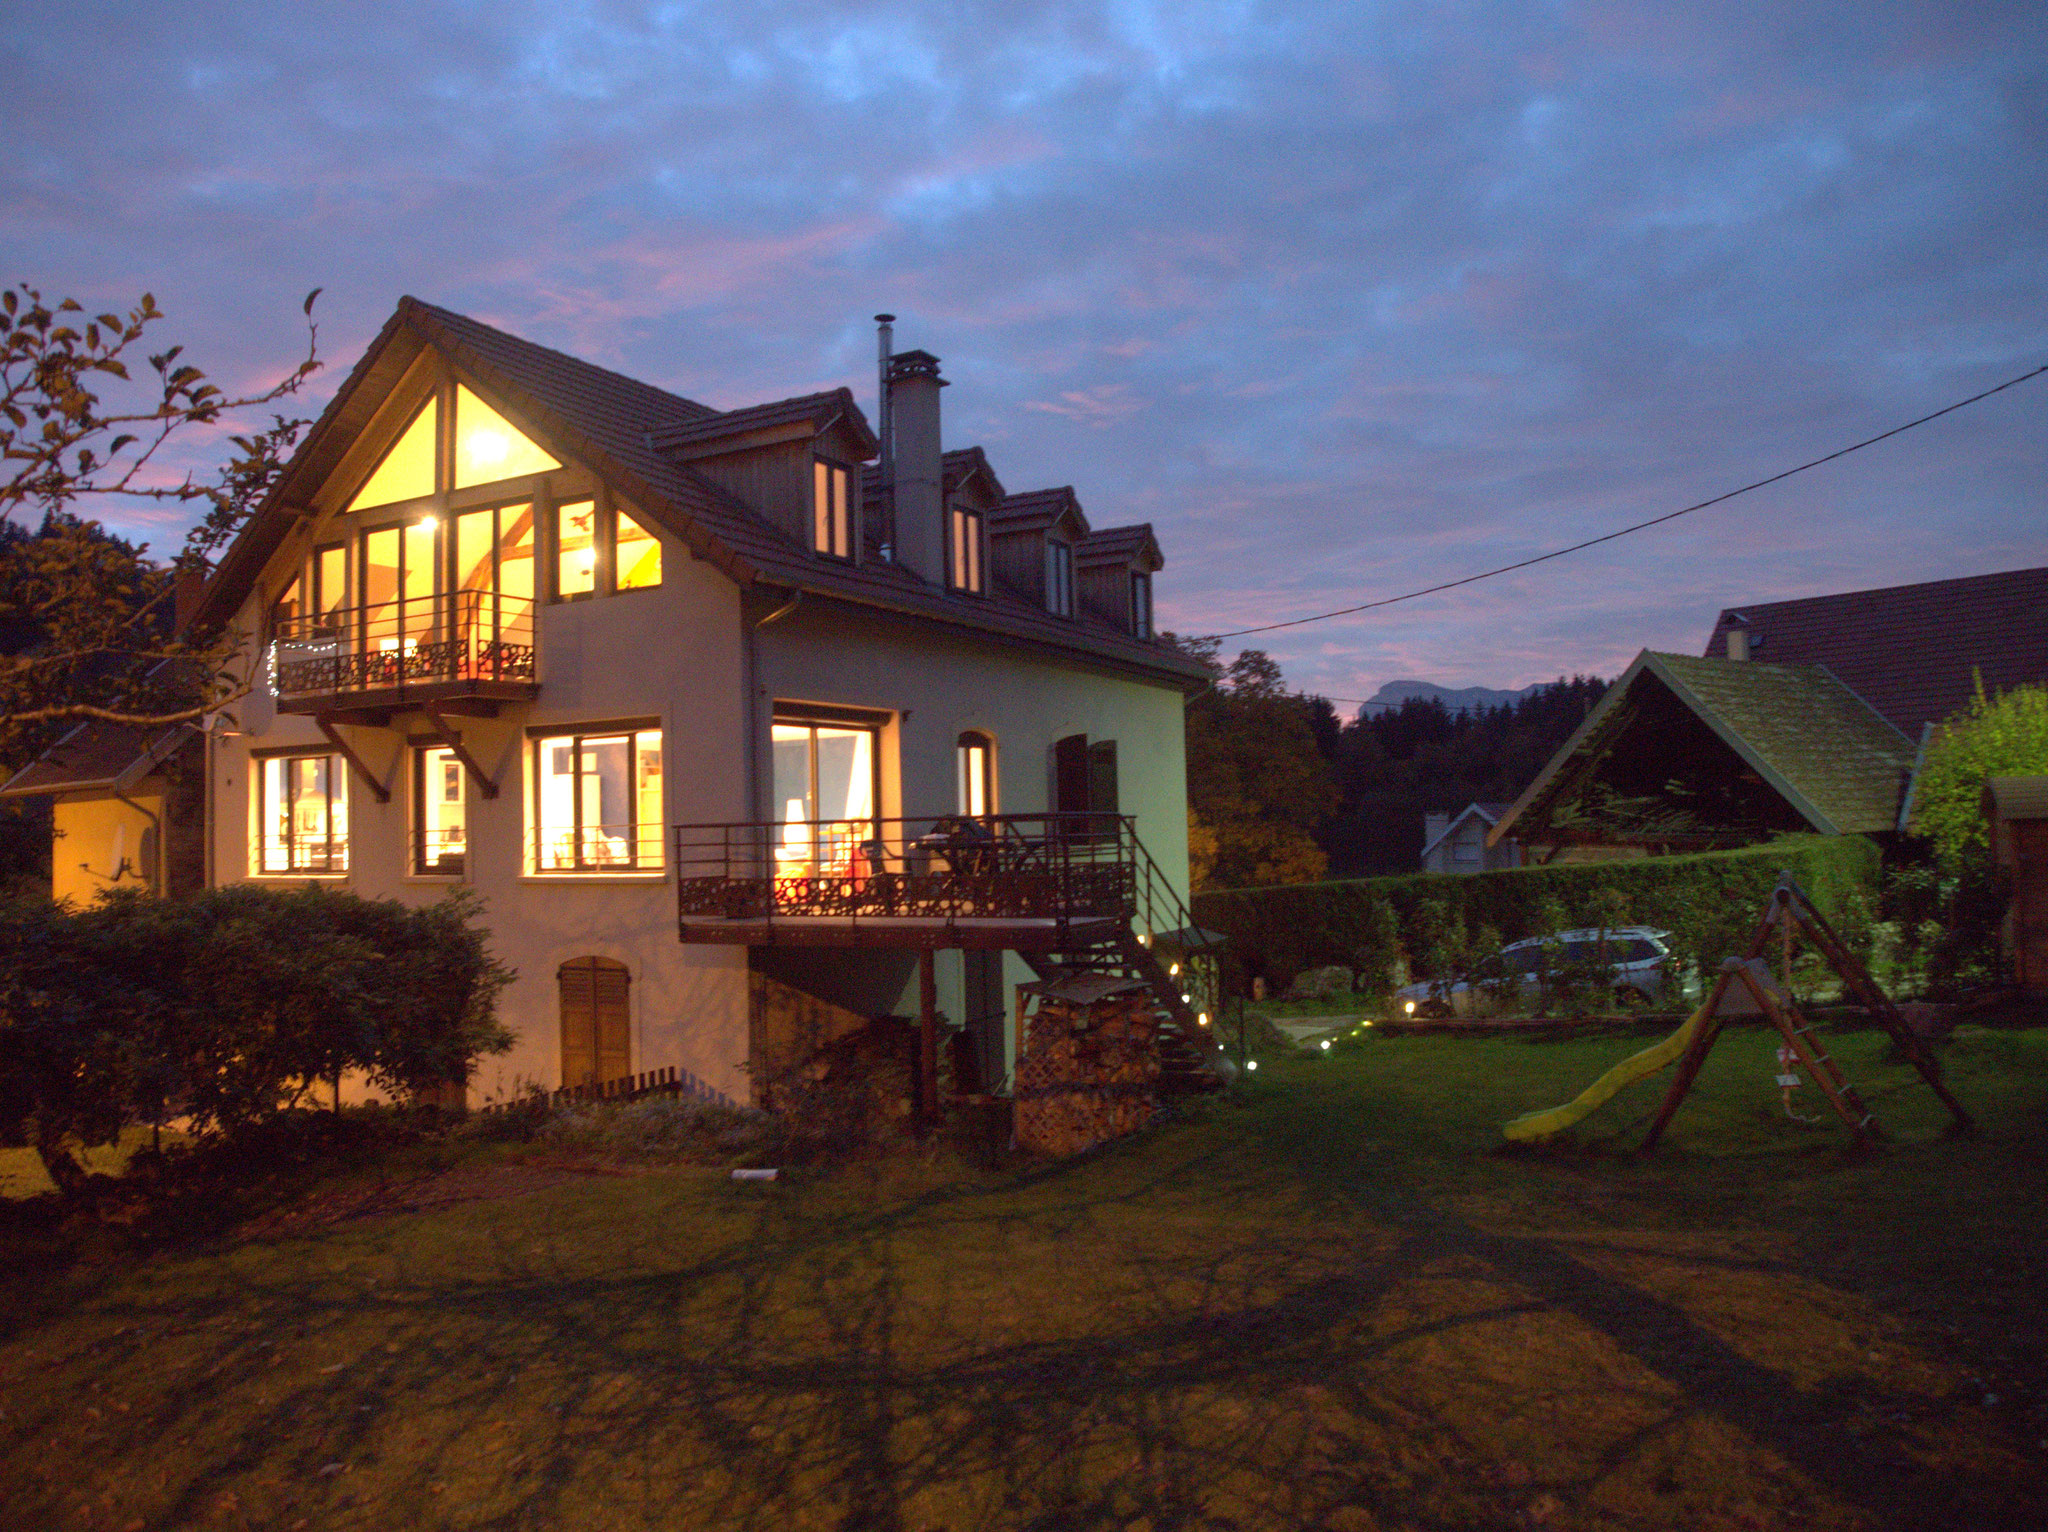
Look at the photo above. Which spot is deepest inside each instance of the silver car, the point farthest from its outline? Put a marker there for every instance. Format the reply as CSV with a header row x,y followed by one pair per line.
x,y
1637,961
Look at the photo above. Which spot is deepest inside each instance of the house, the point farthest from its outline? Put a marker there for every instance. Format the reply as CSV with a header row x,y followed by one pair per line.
x,y
1914,653
730,716
1457,842
1800,715
125,809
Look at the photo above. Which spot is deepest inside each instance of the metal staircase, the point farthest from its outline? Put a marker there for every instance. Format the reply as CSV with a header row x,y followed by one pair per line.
x,y
1159,944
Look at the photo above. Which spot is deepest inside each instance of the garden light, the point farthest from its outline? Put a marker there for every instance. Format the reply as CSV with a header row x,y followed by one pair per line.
x,y
1409,1007
1251,1063
1326,1045
1203,1018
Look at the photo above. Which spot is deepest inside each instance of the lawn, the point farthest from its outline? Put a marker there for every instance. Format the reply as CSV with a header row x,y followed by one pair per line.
x,y
1329,1301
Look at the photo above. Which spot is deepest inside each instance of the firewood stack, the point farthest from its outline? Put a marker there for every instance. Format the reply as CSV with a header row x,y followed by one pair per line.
x,y
1090,1066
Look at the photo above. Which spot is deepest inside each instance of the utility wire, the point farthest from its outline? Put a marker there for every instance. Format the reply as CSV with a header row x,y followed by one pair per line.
x,y
1639,526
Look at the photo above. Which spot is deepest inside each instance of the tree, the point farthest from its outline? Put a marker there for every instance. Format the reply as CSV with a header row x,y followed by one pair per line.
x,y
88,612
2002,736
1258,786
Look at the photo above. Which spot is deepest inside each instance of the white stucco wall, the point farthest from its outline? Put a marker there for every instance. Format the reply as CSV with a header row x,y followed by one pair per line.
x,y
671,654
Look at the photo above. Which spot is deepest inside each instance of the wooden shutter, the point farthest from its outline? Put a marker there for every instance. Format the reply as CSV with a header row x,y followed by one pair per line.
x,y
596,1020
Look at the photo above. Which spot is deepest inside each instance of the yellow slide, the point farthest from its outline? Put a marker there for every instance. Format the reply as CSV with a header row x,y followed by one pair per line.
x,y
1551,1119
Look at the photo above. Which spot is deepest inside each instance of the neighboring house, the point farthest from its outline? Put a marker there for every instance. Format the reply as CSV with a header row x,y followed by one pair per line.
x,y
1801,715
1687,754
125,809
1457,842
1914,653
722,724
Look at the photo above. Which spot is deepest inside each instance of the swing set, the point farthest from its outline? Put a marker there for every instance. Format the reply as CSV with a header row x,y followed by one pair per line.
x,y
1744,987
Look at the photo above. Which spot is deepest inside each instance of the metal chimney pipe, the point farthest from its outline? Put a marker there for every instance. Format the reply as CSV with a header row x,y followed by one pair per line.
x,y
885,345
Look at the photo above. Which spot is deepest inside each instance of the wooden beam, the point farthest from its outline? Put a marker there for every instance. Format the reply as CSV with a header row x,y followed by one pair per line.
x,y
927,1040
484,784
378,789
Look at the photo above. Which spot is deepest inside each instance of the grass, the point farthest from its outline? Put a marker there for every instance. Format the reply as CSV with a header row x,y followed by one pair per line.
x,y
1330,1301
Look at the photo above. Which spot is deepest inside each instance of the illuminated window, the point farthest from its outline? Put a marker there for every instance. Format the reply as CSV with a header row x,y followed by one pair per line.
x,y
301,815
600,549
576,549
963,570
407,470
1059,578
827,781
597,801
439,819
831,509
977,774
488,447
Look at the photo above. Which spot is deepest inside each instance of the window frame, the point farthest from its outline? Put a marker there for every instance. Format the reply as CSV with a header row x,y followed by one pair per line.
x,y
604,533
260,763
417,861
585,865
832,525
966,773
1141,604
966,551
1059,577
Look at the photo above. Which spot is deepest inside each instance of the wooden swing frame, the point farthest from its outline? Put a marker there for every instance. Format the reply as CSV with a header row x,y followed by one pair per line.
x,y
1744,987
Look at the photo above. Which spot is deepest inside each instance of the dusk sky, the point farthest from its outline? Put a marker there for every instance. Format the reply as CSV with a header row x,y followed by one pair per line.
x,y
1344,300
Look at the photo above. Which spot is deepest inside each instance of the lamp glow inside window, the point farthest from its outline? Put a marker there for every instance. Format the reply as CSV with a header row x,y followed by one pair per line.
x,y
597,802
831,509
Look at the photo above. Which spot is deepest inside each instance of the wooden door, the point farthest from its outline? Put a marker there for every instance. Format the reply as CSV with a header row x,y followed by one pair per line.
x,y
596,1021
2030,903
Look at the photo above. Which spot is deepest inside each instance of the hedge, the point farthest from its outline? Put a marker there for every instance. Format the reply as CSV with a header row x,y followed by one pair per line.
x,y
1428,923
226,1008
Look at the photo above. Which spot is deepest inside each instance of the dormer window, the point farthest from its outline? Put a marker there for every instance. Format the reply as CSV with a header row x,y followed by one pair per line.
x,y
1141,604
831,509
1059,578
963,564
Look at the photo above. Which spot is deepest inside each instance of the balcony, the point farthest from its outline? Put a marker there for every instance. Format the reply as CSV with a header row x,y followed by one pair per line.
x,y
459,652
1021,882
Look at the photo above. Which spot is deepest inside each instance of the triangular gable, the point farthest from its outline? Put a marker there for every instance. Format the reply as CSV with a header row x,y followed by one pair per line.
x,y
1469,811
1830,757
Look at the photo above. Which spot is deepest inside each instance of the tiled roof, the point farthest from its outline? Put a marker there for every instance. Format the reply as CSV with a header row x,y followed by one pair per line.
x,y
1838,764
110,756
1913,652
692,438
610,422
1119,545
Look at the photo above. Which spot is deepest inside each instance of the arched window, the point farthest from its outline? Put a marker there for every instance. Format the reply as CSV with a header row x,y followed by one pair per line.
x,y
597,1024
977,774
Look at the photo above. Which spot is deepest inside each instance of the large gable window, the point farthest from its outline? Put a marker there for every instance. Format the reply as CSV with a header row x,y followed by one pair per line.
x,y
482,447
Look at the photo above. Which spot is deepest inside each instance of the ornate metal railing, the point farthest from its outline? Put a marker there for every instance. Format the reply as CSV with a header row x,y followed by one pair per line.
x,y
468,635
950,866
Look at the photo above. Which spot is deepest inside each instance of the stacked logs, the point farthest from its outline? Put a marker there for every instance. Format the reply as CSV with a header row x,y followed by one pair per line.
x,y
1090,1071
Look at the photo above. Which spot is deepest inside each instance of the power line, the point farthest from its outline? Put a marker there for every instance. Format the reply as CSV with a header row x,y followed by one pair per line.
x,y
1639,526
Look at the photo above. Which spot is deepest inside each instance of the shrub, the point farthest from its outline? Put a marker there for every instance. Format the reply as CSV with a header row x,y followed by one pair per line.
x,y
228,1008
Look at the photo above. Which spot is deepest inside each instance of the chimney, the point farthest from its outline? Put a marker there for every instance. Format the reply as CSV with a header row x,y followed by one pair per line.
x,y
1738,643
884,512
913,415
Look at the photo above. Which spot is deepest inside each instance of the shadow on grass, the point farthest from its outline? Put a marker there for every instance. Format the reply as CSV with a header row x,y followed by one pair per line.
x,y
1236,1324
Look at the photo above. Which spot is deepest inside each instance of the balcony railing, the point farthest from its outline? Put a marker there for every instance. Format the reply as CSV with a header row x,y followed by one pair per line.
x,y
393,646
948,867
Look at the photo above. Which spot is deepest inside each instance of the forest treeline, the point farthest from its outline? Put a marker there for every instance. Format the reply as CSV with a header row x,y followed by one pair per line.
x,y
1283,789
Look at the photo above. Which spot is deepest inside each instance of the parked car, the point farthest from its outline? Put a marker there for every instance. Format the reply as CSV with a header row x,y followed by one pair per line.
x,y
1638,968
